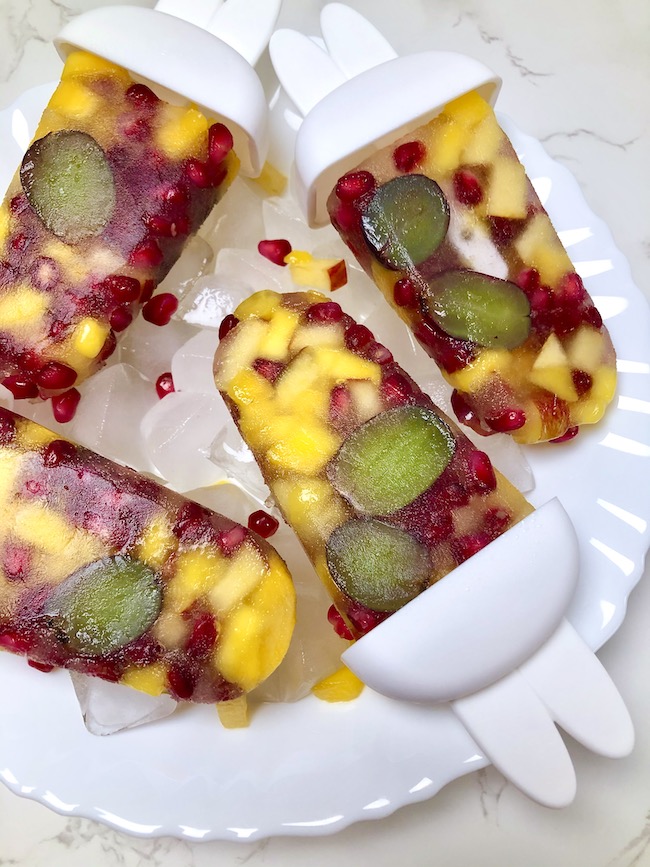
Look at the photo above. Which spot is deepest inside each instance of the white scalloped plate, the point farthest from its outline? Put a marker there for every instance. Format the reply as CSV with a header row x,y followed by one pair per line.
x,y
311,768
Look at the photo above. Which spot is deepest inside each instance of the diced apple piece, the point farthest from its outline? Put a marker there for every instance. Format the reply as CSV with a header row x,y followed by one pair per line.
x,y
233,714
327,275
365,398
243,345
552,371
320,334
507,191
274,345
539,247
585,349
484,143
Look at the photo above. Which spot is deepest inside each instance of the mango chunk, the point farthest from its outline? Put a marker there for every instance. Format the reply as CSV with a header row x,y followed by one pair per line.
x,y
80,63
183,134
157,543
507,192
243,572
539,247
233,714
22,308
484,144
468,109
310,505
151,679
249,387
197,572
275,343
261,304
301,445
481,370
74,100
89,337
342,685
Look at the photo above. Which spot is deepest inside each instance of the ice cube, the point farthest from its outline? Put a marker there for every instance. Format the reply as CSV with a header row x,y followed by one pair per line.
x,y
283,219
178,432
113,403
112,707
226,499
239,222
197,256
149,348
230,453
192,364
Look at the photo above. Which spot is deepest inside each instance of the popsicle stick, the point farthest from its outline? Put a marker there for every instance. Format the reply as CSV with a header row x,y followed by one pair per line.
x,y
197,12
246,25
306,72
352,41
580,694
513,727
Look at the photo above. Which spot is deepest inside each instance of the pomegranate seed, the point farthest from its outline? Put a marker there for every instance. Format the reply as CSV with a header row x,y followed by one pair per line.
x,y
142,96
220,142
347,217
466,546
572,288
176,197
124,289
362,618
203,636
275,251
58,452
592,317
529,280
100,668
438,527
193,523
20,386
227,324
354,185
409,155
396,389
405,293
33,487
161,226
268,369
164,385
120,319
54,376
64,406
146,255
496,521
181,683
14,642
262,523
540,299
358,337
231,539
40,666
160,309
16,562
467,188
18,203
20,243
378,353
570,434
340,403
565,319
138,129
324,311
110,345
462,409
340,626
148,288
481,468
504,229
451,354
582,381
454,495
507,421
198,173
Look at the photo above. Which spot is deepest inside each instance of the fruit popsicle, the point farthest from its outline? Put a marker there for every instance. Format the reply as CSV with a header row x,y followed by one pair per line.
x,y
112,187
385,493
449,227
105,572
428,193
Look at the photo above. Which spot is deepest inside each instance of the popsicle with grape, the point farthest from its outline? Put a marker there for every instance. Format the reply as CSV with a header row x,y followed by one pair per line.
x,y
428,193
434,562
105,572
131,154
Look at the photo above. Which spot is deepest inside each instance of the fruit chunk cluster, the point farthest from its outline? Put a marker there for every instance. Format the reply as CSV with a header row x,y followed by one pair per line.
x,y
384,492
114,183
105,572
449,227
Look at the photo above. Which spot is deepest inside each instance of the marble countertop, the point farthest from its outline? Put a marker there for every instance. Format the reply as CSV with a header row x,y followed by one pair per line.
x,y
577,77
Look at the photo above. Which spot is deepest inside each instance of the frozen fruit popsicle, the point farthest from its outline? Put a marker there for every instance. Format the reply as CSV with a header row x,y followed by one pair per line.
x,y
105,572
427,191
124,168
384,491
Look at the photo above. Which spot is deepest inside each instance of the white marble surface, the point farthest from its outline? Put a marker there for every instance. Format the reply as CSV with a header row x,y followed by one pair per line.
x,y
577,77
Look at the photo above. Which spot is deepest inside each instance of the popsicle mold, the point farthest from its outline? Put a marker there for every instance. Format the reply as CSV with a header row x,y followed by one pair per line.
x,y
105,572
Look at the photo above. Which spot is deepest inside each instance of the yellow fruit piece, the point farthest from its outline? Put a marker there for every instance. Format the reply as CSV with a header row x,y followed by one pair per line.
x,y
551,354
271,180
261,304
82,63
447,146
468,109
5,221
326,275
10,461
22,308
301,445
247,387
484,143
157,543
242,349
471,378
74,100
89,337
151,679
275,343
39,526
233,714
507,194
171,629
310,505
365,398
183,134
585,349
197,572
342,685
67,257
240,575
557,380
341,364
539,247
315,335
32,436
238,654
603,387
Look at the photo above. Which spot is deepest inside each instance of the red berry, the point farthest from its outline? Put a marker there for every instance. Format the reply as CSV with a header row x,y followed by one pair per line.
x,y
275,251
203,636
120,319
58,452
378,353
181,682
54,376
231,539
324,311
409,155
40,666
64,406
20,386
164,385
220,142
569,434
198,173
340,626
466,546
142,96
227,324
507,421
160,309
354,185
357,337
467,188
124,289
262,523
146,255
582,381
405,293
396,389
482,470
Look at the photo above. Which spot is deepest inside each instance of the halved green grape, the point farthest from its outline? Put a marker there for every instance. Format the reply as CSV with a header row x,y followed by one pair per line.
x,y
390,460
69,183
380,566
406,221
471,306
105,605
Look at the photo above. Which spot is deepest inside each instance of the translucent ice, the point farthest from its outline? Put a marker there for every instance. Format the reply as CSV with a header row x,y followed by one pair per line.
x,y
194,262
149,348
230,453
191,365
